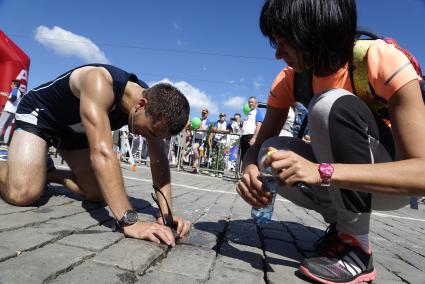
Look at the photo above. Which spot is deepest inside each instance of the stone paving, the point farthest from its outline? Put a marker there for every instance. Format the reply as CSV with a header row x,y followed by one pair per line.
x,y
64,240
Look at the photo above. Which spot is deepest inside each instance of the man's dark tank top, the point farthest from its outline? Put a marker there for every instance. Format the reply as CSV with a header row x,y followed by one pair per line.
x,y
59,108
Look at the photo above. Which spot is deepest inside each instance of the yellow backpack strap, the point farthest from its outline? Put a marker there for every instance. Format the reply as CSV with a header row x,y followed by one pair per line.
x,y
360,76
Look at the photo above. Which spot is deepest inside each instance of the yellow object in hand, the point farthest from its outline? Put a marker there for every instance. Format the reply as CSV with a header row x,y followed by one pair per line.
x,y
271,151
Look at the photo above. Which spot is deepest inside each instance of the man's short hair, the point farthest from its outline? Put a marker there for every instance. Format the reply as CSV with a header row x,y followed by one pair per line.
x,y
252,97
167,104
16,82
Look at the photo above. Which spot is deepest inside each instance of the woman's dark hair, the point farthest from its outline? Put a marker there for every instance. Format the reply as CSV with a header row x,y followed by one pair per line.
x,y
167,104
323,31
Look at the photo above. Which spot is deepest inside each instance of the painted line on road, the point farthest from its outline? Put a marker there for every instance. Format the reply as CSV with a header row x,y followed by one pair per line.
x,y
278,199
396,217
183,185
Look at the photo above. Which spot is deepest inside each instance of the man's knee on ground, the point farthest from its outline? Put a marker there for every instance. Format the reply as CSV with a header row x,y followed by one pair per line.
x,y
22,196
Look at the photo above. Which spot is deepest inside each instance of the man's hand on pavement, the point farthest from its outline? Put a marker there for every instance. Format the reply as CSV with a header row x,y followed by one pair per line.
x,y
153,232
183,225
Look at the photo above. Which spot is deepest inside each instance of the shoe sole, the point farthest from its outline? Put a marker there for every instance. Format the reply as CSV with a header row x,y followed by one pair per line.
x,y
359,279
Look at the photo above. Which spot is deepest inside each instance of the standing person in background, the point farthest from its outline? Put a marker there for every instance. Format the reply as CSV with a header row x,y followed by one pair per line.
x,y
199,137
251,126
236,123
220,131
124,137
354,162
8,114
235,141
186,143
289,123
299,127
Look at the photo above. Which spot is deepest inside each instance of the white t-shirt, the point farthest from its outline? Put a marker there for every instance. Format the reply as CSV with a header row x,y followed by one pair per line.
x,y
219,137
204,126
287,127
249,123
12,106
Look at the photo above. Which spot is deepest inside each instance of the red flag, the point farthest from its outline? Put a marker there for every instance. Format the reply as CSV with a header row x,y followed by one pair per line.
x,y
14,64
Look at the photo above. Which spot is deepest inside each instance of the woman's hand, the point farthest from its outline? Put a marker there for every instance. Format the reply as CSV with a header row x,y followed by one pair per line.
x,y
292,168
251,189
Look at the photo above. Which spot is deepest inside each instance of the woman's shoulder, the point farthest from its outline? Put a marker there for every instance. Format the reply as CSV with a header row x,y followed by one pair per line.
x,y
388,68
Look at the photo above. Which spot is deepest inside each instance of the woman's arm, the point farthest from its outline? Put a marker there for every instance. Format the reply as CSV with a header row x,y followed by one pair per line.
x,y
249,187
404,177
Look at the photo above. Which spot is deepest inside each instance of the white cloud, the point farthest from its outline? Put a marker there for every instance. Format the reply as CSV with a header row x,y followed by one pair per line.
x,y
235,102
69,44
197,98
258,82
176,26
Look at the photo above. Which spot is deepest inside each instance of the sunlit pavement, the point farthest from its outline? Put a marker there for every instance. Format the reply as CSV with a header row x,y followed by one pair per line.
x,y
64,240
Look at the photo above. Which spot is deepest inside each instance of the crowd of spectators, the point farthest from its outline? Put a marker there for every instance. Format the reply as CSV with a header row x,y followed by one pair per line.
x,y
219,145
216,145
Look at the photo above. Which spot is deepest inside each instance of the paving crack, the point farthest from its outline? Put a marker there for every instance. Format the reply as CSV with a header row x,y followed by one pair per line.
x,y
406,261
221,237
155,262
263,248
60,235
67,269
396,273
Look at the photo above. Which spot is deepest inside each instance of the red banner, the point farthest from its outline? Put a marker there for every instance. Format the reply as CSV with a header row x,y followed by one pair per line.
x,y
14,64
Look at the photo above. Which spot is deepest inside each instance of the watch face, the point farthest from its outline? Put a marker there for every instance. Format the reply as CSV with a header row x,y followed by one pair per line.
x,y
326,170
131,216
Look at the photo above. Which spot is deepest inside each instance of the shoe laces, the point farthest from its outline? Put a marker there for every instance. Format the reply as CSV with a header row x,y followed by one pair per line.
x,y
330,236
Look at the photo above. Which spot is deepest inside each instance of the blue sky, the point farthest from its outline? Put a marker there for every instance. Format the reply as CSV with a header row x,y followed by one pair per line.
x,y
212,50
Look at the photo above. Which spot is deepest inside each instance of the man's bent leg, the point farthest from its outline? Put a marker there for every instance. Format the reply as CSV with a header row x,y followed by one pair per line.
x,y
82,180
23,175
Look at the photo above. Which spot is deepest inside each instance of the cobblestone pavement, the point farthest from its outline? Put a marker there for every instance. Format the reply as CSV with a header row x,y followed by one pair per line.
x,y
64,240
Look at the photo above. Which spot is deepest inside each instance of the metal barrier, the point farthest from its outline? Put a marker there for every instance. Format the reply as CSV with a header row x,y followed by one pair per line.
x,y
217,157
134,151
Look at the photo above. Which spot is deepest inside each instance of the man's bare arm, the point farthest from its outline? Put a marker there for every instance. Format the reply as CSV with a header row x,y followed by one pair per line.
x,y
161,179
160,169
96,96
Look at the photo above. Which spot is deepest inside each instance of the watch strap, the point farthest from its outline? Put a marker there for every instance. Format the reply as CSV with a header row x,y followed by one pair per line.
x,y
124,220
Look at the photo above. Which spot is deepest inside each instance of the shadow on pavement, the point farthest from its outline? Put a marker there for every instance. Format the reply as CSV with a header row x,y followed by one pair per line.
x,y
97,211
241,239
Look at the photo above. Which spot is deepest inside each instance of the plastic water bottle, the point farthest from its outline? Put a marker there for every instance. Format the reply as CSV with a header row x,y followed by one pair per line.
x,y
264,215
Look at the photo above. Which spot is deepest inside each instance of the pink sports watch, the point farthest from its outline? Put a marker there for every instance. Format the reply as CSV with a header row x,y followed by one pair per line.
x,y
326,170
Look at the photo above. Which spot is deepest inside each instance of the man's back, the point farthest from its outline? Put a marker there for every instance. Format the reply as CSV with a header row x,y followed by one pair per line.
x,y
57,104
